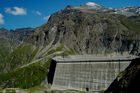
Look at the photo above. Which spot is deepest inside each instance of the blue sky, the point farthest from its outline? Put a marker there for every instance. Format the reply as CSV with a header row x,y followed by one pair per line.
x,y
33,13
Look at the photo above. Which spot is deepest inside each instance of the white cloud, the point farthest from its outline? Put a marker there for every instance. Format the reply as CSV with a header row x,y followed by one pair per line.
x,y
38,13
1,19
46,17
16,11
91,4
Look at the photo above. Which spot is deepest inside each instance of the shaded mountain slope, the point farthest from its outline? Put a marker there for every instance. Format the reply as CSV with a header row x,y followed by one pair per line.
x,y
128,81
14,37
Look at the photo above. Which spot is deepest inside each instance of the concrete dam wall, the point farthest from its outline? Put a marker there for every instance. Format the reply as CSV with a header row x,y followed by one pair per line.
x,y
86,73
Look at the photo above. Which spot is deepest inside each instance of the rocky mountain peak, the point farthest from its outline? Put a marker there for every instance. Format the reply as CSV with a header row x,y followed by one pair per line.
x,y
69,7
92,4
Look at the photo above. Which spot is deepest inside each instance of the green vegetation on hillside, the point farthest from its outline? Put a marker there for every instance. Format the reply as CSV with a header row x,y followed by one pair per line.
x,y
27,65
13,58
130,24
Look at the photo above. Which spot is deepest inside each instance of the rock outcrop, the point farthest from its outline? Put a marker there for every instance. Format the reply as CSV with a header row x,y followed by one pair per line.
x,y
92,31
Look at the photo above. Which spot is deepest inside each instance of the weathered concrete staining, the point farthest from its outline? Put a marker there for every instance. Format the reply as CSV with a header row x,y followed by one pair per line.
x,y
88,72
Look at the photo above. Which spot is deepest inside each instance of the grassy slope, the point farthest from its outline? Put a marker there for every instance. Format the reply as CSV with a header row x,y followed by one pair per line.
x,y
131,24
32,71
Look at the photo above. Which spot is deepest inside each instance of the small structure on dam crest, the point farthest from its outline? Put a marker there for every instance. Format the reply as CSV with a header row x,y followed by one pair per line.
x,y
86,72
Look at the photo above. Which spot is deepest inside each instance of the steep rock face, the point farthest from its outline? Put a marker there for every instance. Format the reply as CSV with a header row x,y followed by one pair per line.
x,y
128,81
91,32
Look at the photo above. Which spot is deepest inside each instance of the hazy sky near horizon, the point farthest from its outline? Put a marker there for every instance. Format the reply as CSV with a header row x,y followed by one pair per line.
x,y
33,13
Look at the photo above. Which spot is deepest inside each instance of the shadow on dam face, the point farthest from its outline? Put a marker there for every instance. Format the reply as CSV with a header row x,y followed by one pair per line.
x,y
51,72
85,73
